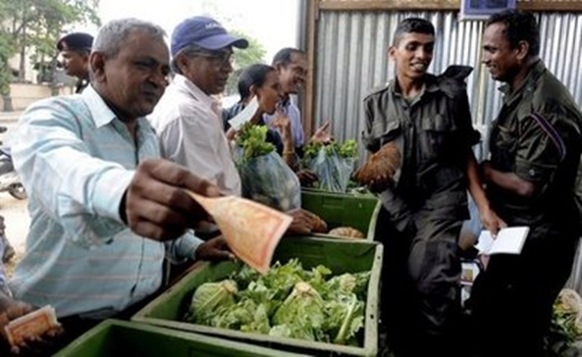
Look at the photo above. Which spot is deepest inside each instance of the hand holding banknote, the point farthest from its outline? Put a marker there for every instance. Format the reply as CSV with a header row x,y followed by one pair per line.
x,y
252,230
24,330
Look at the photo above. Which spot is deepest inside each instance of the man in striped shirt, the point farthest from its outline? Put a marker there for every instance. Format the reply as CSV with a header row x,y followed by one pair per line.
x,y
105,210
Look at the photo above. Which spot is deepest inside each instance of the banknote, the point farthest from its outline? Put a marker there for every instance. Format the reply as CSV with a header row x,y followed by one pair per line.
x,y
252,230
35,323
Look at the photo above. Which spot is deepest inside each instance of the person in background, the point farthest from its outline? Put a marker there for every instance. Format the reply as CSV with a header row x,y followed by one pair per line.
x,y
6,252
291,64
187,119
427,117
534,154
105,208
74,50
6,249
262,81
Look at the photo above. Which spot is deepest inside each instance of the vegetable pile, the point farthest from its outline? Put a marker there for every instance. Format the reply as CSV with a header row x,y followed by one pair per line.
x,y
287,302
566,325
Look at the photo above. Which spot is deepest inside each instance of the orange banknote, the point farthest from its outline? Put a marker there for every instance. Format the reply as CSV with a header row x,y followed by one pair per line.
x,y
252,230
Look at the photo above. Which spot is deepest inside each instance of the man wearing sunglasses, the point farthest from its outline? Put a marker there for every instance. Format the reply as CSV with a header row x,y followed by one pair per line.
x,y
187,118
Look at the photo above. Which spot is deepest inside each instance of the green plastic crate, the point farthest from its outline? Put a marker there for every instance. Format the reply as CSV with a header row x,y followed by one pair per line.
x,y
340,256
359,211
114,338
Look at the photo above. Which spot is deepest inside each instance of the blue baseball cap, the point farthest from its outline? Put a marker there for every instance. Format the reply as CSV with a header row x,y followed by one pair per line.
x,y
203,32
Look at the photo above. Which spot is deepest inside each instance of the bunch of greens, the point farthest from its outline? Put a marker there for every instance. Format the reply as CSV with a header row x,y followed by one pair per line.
x,y
288,302
349,149
566,325
252,139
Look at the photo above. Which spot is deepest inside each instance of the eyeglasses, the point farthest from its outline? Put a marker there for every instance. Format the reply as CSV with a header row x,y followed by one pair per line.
x,y
220,58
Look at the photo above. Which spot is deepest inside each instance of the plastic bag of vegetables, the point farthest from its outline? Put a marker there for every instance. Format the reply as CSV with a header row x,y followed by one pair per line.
x,y
333,164
265,177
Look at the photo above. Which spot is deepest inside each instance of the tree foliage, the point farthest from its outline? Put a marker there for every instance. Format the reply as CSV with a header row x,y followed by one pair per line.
x,y
255,53
37,25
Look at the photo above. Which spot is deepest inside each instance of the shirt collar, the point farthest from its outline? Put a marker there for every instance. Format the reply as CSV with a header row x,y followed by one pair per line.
x,y
103,115
189,87
100,112
430,85
528,85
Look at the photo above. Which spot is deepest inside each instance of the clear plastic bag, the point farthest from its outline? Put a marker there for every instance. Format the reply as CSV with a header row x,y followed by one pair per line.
x,y
333,171
268,180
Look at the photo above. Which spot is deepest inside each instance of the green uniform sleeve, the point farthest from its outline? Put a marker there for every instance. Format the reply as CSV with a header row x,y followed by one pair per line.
x,y
540,148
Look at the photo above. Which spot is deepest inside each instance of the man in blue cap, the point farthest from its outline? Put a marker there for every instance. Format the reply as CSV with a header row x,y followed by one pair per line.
x,y
187,118
74,49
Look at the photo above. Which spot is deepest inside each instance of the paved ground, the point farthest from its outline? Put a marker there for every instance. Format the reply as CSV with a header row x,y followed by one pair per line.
x,y
17,222
14,211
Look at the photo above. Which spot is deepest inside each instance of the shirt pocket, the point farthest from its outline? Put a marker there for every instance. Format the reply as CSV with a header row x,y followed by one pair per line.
x,y
382,132
503,146
438,137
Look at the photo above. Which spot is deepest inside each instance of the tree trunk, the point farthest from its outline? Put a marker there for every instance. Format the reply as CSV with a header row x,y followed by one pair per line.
x,y
22,66
7,100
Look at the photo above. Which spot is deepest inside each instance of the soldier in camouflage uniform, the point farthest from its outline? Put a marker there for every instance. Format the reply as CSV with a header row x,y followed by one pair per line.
x,y
535,151
429,118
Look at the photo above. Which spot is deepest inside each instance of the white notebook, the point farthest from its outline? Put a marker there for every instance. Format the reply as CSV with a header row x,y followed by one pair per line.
x,y
509,240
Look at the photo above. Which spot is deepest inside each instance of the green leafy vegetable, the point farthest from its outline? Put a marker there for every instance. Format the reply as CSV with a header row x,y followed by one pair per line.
x,y
346,318
211,298
252,139
288,301
566,324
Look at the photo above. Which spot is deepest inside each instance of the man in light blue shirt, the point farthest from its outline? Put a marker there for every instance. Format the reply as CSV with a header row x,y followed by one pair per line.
x,y
105,210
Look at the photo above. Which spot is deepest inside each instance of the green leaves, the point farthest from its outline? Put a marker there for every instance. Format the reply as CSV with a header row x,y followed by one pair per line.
x,y
252,138
211,298
566,324
288,301
34,26
349,149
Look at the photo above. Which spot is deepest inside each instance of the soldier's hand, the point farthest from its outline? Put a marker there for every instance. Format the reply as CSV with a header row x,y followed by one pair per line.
x,y
378,172
156,204
491,221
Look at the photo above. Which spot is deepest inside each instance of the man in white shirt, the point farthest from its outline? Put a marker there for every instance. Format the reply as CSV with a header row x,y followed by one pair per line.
x,y
188,119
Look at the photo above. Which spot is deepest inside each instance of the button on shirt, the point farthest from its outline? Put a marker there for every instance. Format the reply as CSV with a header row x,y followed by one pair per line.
x,y
75,159
190,129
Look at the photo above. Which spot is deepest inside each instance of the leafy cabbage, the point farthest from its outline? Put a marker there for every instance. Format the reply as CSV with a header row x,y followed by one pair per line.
x,y
288,301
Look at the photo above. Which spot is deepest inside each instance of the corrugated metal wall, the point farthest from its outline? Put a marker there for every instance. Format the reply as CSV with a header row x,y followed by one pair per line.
x,y
351,59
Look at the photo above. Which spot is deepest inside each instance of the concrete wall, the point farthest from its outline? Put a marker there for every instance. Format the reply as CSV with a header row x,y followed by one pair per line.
x,y
24,94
